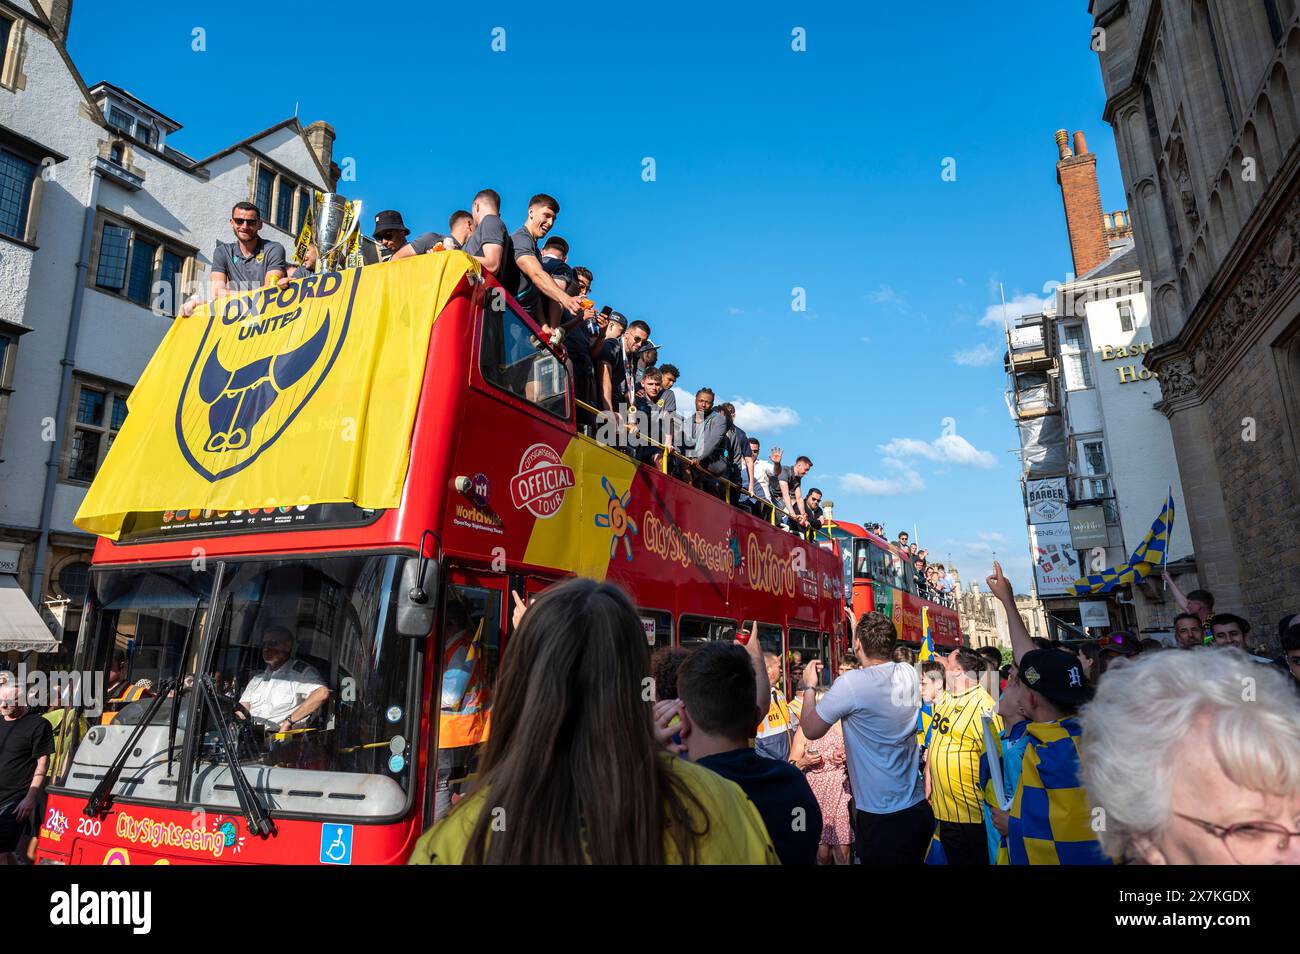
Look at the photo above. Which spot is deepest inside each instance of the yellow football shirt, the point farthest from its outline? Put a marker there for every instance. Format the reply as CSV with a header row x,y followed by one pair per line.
x,y
956,744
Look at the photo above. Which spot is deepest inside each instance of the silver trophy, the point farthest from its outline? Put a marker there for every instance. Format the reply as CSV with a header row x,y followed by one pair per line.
x,y
336,222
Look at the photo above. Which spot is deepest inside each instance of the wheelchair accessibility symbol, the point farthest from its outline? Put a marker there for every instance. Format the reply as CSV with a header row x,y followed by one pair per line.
x,y
335,844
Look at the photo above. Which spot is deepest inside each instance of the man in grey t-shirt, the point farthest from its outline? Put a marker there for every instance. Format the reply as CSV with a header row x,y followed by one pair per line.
x,y
461,225
877,706
247,263
490,241
535,287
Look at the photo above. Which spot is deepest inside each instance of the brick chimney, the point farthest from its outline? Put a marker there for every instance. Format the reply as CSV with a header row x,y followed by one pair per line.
x,y
1076,172
320,139
59,13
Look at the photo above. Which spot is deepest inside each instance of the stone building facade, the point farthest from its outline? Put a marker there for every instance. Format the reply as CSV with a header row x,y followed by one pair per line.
x,y
1204,100
102,221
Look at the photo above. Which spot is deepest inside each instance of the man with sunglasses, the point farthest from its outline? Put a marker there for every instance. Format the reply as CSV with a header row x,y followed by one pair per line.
x,y
245,264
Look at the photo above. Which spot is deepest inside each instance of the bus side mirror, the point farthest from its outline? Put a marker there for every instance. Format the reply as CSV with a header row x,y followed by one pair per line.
x,y
416,597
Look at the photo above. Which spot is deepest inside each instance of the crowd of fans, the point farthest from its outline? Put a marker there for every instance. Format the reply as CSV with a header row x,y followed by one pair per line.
x,y
960,760
1188,756
891,762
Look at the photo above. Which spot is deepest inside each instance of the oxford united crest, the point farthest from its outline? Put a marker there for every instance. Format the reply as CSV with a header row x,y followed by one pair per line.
x,y
262,357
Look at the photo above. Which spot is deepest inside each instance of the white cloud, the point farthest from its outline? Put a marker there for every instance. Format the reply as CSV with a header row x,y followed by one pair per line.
x,y
948,449
733,310
885,295
979,356
1023,304
758,418
904,480
993,537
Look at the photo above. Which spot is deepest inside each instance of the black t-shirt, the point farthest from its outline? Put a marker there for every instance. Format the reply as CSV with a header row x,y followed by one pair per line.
x,y
816,516
776,788
22,742
611,353
577,342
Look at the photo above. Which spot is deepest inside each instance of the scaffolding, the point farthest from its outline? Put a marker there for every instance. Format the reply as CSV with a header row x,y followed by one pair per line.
x,y
1033,396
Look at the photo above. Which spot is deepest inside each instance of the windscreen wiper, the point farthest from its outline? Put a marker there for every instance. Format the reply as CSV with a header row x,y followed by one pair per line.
x,y
101,799
255,812
174,715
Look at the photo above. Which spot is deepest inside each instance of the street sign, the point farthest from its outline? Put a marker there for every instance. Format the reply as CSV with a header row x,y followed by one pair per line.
x,y
1088,528
1094,614
1046,499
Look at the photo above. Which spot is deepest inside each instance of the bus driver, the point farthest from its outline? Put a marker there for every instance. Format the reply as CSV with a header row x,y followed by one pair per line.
x,y
289,690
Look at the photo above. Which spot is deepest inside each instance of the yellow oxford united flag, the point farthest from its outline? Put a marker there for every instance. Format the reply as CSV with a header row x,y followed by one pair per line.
x,y
296,395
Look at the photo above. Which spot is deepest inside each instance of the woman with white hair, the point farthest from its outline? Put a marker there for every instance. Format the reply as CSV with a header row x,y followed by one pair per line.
x,y
1194,758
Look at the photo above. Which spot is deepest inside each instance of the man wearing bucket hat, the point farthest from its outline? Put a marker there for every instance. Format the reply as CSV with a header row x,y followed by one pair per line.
x,y
391,232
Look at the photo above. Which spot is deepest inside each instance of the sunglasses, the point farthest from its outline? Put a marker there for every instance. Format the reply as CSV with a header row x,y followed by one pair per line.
x,y
246,221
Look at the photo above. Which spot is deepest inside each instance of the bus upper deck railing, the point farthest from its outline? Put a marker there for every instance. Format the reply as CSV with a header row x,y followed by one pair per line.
x,y
733,491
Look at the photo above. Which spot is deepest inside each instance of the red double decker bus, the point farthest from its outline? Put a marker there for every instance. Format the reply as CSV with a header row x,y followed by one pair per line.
x,y
881,580
399,618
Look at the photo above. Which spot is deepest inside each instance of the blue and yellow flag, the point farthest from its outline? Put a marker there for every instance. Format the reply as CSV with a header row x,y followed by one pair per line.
x,y
925,713
281,397
1151,552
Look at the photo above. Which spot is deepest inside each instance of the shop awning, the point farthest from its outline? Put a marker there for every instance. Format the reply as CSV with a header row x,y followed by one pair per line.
x,y
21,626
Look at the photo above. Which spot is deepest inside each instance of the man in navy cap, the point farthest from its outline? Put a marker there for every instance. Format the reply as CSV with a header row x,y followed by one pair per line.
x,y
1050,819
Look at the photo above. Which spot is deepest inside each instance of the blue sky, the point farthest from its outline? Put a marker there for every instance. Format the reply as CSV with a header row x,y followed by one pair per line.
x,y
774,170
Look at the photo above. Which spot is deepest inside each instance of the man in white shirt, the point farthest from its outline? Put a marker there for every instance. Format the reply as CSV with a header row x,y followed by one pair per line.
x,y
764,470
877,705
288,690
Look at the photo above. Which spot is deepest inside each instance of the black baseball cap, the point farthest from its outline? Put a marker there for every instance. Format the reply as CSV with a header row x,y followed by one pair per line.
x,y
1056,675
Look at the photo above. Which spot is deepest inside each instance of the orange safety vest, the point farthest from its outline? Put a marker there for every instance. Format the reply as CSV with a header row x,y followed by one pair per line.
x,y
133,693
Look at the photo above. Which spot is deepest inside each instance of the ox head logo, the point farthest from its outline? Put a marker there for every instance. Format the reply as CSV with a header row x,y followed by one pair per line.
x,y
238,399
251,376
